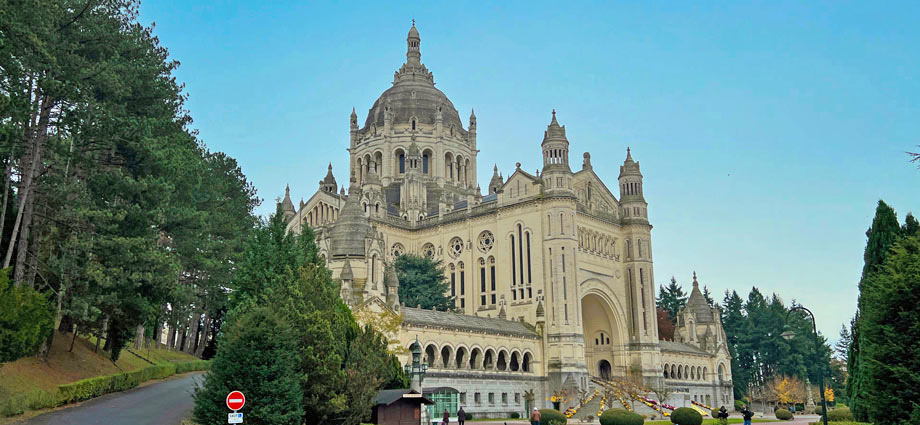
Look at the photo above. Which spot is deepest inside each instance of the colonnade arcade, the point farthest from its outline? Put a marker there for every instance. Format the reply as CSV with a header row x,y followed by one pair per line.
x,y
462,357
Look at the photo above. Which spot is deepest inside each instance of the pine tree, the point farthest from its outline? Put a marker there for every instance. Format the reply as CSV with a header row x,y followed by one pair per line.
x,y
259,354
708,296
422,283
889,328
672,298
733,323
883,233
843,345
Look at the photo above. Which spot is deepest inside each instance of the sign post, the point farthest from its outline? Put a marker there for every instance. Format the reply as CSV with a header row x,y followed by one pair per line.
x,y
235,401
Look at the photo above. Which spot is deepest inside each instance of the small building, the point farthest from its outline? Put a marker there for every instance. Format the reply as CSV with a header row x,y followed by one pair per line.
x,y
398,407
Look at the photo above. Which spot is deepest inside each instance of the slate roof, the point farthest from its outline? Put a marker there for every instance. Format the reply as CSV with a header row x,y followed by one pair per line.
x,y
416,316
680,347
387,397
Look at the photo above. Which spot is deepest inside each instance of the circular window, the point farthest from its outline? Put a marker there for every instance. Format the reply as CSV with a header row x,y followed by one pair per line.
x,y
456,247
428,251
486,240
397,249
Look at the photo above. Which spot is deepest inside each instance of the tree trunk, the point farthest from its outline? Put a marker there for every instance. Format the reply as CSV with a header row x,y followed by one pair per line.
x,y
28,175
195,341
203,341
157,332
139,338
171,342
7,177
186,335
34,249
75,338
22,251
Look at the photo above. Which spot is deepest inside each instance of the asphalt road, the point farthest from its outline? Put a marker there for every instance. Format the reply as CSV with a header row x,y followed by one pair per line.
x,y
162,403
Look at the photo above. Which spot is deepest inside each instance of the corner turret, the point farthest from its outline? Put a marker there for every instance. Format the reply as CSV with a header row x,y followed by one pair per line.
x,y
632,199
557,176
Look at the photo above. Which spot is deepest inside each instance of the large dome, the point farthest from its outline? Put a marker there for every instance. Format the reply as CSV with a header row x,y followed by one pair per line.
x,y
408,99
413,94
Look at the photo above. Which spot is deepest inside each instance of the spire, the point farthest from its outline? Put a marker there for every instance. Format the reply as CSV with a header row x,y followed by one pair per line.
x,y
554,118
628,155
287,206
347,274
695,283
413,41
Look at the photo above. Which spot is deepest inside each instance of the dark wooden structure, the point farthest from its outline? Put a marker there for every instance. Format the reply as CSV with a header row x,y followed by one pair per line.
x,y
398,407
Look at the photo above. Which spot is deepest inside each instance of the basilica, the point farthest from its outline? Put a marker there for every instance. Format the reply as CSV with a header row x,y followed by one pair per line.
x,y
552,273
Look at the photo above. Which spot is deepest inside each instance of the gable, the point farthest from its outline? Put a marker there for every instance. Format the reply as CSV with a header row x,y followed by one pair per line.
x,y
593,193
520,185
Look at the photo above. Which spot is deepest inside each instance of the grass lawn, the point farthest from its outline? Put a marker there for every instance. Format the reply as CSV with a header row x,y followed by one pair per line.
x,y
31,373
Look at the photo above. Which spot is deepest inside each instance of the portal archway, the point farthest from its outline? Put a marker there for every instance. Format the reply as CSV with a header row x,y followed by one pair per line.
x,y
603,369
603,335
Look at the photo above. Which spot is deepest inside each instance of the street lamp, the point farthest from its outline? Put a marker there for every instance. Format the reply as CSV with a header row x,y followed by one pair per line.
x,y
789,334
417,368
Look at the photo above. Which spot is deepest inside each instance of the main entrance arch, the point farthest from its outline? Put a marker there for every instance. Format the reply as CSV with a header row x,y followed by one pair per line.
x,y
603,336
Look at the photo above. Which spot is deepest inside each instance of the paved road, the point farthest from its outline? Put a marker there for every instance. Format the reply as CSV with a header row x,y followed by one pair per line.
x,y
162,403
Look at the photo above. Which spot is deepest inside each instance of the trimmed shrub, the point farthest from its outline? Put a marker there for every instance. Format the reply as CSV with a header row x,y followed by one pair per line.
x,y
739,405
190,366
96,386
18,403
783,414
840,414
621,417
686,416
26,319
514,415
468,415
552,417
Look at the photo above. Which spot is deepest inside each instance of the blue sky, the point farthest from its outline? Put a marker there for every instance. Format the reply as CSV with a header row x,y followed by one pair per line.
x,y
766,131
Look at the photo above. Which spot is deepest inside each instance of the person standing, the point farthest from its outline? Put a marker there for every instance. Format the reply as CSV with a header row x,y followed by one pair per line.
x,y
461,416
446,419
535,417
747,414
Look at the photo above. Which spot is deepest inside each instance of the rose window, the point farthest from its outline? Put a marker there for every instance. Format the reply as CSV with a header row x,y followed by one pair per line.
x,y
486,240
428,251
456,247
397,250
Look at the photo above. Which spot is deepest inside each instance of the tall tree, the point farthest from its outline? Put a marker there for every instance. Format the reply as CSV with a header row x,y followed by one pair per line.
x,y
842,347
708,296
422,283
890,326
672,298
883,233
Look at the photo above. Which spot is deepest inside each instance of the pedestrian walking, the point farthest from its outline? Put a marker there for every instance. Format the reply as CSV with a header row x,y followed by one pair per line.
x,y
535,417
747,414
461,416
446,419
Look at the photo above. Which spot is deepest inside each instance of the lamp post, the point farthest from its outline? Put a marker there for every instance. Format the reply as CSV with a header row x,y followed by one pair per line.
x,y
789,334
417,369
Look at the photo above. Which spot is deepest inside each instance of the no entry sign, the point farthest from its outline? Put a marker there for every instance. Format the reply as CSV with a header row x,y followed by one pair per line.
x,y
235,400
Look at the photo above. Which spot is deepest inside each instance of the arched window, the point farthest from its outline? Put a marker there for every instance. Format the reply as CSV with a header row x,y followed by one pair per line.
x,y
430,351
482,281
460,357
425,163
374,268
462,279
721,373
513,263
525,365
445,356
474,358
453,280
666,370
413,123
402,163
492,277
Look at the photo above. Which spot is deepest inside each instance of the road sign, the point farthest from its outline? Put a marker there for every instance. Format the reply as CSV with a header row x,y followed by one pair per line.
x,y
235,418
235,400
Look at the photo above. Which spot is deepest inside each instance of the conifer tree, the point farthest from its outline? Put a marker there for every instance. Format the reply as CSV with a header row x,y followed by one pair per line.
x,y
672,298
883,233
422,283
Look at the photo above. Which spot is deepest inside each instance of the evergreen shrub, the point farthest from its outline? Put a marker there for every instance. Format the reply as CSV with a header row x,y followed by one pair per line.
x,y
840,414
514,415
26,319
783,414
621,417
686,416
552,417
739,405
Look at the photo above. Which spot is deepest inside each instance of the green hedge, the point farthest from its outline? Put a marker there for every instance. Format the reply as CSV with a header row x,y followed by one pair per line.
x,y
552,417
85,389
621,417
783,415
840,414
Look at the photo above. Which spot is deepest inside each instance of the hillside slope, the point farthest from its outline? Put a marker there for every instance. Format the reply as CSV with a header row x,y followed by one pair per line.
x,y
32,373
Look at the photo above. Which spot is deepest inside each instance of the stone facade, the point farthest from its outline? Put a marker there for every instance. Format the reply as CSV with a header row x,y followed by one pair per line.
x,y
555,255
